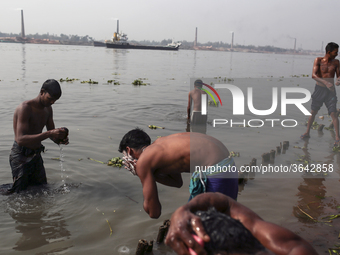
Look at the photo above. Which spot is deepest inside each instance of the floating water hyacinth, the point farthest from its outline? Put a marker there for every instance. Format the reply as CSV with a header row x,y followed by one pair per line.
x,y
90,82
67,79
116,162
155,127
138,82
114,82
336,149
234,154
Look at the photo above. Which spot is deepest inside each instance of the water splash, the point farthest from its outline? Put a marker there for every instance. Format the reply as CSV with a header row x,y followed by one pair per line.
x,y
64,176
123,250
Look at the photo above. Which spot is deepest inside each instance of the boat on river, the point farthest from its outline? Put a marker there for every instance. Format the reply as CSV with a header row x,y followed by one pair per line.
x,y
119,40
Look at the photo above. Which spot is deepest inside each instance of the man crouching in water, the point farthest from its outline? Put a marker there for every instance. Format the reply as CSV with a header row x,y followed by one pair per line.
x,y
168,157
30,117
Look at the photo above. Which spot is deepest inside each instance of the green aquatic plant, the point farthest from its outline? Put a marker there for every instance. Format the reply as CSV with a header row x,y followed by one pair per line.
x,y
89,82
138,82
155,127
234,154
68,80
116,162
114,82
336,149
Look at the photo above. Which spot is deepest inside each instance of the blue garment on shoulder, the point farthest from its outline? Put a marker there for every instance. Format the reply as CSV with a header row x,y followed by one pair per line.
x,y
212,180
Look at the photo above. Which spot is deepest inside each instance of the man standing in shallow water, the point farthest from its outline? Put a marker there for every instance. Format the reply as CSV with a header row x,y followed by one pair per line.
x,y
168,157
324,70
29,119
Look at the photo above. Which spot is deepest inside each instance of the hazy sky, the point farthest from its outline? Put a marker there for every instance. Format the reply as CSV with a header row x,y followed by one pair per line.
x,y
256,22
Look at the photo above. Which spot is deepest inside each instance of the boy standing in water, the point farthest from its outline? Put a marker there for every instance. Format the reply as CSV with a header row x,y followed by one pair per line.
x,y
324,70
29,119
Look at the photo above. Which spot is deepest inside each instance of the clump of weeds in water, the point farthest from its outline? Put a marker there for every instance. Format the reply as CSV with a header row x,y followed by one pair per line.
x,y
68,80
114,82
89,82
139,82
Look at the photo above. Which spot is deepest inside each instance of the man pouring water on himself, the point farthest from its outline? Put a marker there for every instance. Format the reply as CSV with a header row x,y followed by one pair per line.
x,y
29,119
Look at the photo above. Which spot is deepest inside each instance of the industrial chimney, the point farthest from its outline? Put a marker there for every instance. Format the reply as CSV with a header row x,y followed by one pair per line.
x,y
195,44
22,25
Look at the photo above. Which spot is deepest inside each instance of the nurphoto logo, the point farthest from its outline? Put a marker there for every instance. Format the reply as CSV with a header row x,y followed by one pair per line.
x,y
243,103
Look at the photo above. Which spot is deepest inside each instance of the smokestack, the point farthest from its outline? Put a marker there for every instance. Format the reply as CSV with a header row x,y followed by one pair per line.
x,y
295,45
22,24
195,44
232,39
117,26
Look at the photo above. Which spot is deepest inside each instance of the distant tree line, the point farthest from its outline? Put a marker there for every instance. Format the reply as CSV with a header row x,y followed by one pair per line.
x,y
61,37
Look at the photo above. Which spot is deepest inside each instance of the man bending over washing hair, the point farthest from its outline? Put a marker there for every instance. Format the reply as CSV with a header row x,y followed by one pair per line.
x,y
168,157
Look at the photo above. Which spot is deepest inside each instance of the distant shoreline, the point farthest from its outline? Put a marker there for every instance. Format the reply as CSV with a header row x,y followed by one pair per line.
x,y
204,48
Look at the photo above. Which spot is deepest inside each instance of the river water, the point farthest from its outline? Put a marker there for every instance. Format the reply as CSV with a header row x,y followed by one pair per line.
x,y
91,208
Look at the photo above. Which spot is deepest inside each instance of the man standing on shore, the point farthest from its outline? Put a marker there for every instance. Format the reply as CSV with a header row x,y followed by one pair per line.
x,y
324,70
29,119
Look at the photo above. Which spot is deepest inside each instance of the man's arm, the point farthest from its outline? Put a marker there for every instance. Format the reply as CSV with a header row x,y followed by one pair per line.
x,y
337,72
22,129
189,106
50,126
172,180
275,238
151,203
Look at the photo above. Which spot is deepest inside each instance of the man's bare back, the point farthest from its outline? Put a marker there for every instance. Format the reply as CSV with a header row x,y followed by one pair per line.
x,y
178,152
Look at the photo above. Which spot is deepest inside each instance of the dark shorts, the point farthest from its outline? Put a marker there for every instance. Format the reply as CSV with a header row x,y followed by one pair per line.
x,y
227,186
198,122
323,95
27,167
225,182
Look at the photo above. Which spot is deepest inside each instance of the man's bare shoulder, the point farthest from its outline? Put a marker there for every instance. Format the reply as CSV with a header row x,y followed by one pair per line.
x,y
24,107
318,60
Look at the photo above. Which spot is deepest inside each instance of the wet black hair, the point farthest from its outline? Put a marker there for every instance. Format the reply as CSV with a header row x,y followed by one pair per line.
x,y
135,139
331,46
52,87
198,83
227,234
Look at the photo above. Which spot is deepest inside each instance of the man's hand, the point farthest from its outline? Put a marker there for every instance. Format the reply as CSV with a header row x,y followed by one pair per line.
x,y
59,135
330,86
179,237
337,83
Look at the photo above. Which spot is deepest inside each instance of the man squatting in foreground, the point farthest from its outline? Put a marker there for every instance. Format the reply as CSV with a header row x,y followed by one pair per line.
x,y
29,119
324,70
168,157
185,224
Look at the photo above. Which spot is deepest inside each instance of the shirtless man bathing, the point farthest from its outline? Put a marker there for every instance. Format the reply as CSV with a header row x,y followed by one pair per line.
x,y
324,70
197,121
30,117
168,157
